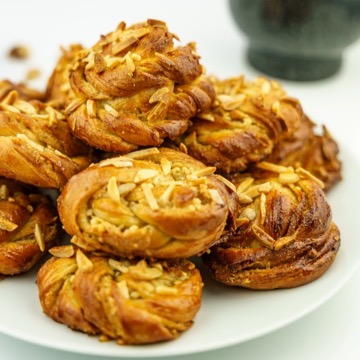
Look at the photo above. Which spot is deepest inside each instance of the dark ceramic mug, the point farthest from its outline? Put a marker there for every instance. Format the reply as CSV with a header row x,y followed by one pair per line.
x,y
297,39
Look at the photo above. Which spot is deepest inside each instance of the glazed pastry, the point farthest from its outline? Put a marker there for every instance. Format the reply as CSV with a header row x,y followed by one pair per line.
x,y
154,202
285,235
29,226
36,144
134,88
131,301
317,153
58,89
244,124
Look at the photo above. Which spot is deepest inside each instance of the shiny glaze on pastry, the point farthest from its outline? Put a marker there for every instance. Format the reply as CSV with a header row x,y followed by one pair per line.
x,y
28,227
285,235
134,88
243,125
132,301
153,202
36,144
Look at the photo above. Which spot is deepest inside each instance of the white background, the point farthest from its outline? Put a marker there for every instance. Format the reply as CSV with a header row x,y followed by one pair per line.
x,y
330,332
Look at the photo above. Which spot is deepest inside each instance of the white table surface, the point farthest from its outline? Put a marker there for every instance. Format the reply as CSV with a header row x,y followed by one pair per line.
x,y
330,332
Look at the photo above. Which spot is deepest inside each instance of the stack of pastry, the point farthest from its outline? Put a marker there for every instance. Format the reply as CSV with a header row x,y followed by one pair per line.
x,y
182,165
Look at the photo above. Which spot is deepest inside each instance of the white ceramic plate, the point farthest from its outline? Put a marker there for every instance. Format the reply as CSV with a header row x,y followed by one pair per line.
x,y
228,315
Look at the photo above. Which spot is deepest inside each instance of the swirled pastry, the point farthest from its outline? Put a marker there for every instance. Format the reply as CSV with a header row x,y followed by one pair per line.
x,y
317,153
154,202
58,89
285,235
132,301
243,125
134,88
28,227
36,144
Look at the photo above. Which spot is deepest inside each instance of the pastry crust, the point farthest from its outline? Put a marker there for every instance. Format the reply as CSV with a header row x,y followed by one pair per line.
x,y
36,144
151,203
58,89
134,88
285,235
132,301
317,153
29,226
244,124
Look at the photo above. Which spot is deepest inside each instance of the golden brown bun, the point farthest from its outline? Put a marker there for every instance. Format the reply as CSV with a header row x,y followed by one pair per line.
x,y
154,203
36,144
134,88
317,153
58,89
285,235
243,125
133,301
28,227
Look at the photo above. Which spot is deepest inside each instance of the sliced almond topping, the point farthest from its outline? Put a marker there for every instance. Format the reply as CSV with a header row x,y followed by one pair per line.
x,y
228,183
74,105
123,289
231,102
10,97
7,225
149,196
307,175
130,64
262,208
248,213
262,237
288,178
144,273
24,106
140,154
159,95
165,165
244,199
145,174
126,188
264,165
158,111
117,265
183,148
83,262
165,290
165,196
216,197
65,251
91,108
118,162
39,237
30,142
52,115
113,190
99,63
9,108
123,45
244,185
206,116
4,192
111,110
283,241
209,170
